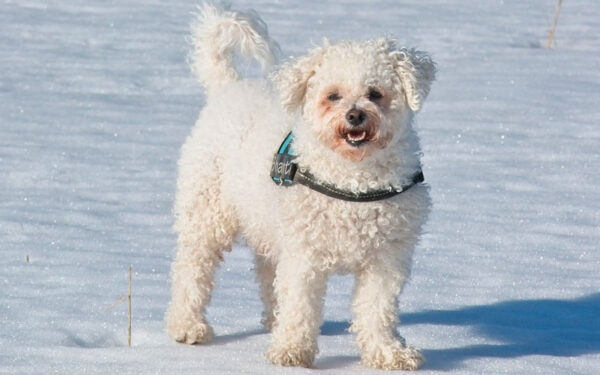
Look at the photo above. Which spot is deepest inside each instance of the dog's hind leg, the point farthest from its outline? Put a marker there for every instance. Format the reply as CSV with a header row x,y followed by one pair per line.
x,y
206,227
265,275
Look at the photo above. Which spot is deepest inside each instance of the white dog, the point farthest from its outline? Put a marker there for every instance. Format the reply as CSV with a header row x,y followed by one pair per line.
x,y
343,194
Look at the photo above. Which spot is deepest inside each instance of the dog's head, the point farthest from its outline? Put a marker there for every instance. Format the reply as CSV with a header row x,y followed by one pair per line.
x,y
356,95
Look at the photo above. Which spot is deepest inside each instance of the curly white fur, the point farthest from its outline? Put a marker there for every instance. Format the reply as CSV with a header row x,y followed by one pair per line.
x,y
218,33
299,235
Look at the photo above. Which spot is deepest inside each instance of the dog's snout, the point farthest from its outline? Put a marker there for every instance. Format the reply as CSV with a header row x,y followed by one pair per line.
x,y
355,116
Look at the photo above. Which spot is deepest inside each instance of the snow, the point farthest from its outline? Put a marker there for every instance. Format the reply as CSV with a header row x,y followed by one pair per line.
x,y
96,99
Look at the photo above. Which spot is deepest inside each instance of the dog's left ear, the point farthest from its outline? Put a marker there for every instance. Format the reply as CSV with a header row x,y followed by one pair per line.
x,y
416,71
292,79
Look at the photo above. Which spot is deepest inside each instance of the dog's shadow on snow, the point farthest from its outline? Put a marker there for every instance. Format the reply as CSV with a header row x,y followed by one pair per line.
x,y
562,328
233,337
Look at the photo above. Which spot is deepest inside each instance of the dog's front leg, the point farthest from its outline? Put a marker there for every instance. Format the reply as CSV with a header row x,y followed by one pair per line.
x,y
375,307
300,289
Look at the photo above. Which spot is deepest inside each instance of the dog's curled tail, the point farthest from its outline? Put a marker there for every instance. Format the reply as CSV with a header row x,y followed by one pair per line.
x,y
217,33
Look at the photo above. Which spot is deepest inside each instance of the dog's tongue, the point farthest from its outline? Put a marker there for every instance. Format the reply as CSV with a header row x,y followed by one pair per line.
x,y
356,136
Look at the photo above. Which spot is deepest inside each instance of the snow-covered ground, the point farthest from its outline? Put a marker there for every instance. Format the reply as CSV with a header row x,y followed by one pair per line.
x,y
96,99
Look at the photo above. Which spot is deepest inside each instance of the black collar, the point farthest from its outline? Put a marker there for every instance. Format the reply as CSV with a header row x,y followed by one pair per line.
x,y
285,172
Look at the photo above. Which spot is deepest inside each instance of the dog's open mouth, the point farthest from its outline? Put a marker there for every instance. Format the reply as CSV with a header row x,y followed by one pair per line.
x,y
356,137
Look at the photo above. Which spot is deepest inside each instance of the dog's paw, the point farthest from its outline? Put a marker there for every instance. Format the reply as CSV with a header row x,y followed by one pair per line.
x,y
398,358
297,356
195,333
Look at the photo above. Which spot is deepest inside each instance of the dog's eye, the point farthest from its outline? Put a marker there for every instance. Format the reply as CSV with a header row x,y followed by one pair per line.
x,y
374,95
334,97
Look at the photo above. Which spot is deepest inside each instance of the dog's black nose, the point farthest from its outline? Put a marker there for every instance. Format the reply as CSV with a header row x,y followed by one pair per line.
x,y
355,117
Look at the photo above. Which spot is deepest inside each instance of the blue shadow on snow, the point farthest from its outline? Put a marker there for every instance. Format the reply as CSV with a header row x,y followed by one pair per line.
x,y
522,327
561,328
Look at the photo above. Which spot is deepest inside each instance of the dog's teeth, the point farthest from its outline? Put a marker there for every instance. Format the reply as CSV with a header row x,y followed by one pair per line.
x,y
356,138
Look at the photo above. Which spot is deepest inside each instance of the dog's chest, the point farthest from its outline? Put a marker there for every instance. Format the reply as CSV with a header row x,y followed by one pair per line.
x,y
342,235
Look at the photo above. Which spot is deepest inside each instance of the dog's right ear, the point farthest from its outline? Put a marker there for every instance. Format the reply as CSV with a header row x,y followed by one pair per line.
x,y
292,79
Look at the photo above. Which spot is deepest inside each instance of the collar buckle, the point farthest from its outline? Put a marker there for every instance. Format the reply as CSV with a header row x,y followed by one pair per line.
x,y
283,170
